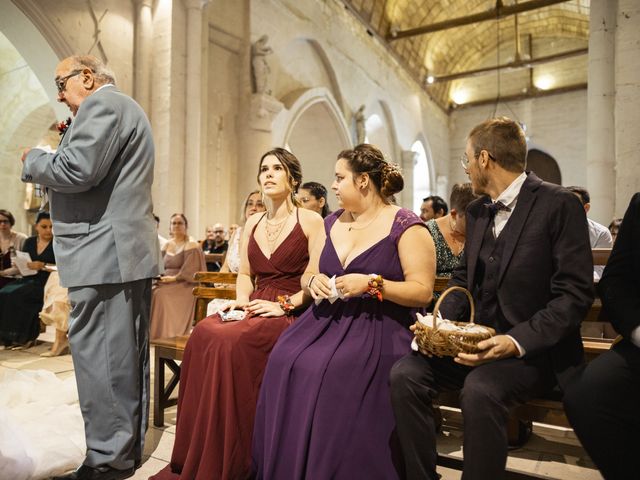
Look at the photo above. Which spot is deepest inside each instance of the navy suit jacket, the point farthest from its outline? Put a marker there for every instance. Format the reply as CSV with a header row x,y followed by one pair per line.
x,y
545,281
619,287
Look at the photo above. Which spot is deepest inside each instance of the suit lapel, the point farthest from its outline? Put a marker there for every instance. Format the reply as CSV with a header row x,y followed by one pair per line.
x,y
473,248
513,229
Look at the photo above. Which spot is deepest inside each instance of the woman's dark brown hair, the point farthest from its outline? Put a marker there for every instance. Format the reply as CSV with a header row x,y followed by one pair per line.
x,y
291,164
181,215
9,215
365,158
461,196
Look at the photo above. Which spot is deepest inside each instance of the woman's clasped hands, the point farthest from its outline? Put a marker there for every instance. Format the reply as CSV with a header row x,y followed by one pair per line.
x,y
349,285
262,308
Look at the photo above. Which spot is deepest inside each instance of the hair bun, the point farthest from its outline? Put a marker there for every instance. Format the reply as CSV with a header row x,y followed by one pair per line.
x,y
392,180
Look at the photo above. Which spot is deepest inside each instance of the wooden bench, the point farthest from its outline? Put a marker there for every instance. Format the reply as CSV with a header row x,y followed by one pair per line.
x,y
169,351
549,410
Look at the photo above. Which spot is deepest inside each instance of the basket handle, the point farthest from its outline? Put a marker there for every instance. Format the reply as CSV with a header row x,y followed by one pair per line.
x,y
444,294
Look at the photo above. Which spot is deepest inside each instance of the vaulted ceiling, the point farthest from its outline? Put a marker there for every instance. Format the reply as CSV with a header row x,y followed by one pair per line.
x,y
452,47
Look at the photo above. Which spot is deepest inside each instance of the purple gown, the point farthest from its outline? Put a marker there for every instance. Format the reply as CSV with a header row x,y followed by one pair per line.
x,y
324,409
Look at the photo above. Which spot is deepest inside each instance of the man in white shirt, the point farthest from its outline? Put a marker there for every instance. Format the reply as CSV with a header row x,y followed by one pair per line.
x,y
527,264
599,235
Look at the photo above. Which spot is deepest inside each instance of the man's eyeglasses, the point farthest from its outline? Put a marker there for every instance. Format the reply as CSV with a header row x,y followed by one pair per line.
x,y
5,221
61,83
464,160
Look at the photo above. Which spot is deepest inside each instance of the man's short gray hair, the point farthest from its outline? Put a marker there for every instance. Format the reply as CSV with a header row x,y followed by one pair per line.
x,y
101,72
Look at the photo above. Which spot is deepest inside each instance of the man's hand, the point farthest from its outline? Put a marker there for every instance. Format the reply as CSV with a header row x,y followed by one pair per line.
x,y
24,154
494,348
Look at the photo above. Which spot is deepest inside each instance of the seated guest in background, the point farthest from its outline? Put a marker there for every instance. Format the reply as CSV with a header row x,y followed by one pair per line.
x,y
448,232
161,240
433,207
324,409
55,311
614,227
215,242
313,196
21,301
232,229
599,235
253,204
602,403
172,300
224,360
528,266
10,241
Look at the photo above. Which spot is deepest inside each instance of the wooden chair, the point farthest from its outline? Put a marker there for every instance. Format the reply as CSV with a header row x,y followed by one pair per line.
x,y
169,351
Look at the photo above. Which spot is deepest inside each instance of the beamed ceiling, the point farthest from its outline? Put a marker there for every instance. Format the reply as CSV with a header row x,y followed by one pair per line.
x,y
458,44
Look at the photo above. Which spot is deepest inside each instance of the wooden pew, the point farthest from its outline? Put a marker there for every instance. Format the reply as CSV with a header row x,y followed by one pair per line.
x,y
170,351
542,410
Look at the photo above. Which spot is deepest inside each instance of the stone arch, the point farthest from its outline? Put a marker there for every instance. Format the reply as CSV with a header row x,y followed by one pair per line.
x,y
313,128
417,194
543,165
38,41
313,69
380,129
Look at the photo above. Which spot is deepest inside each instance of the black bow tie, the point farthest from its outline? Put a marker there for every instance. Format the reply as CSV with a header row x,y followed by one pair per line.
x,y
495,207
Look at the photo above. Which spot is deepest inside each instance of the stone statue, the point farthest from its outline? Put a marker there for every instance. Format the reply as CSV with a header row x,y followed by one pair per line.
x,y
360,127
260,66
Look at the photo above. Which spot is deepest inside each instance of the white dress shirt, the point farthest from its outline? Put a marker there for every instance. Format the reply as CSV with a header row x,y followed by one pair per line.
x,y
509,198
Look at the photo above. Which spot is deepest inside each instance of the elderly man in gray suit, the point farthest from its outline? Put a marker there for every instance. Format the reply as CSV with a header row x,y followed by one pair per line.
x,y
99,187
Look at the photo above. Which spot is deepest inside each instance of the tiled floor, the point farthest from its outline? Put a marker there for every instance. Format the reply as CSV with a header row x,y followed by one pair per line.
x,y
551,453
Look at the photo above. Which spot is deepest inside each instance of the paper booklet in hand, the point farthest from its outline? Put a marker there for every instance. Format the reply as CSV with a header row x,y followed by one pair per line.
x,y
21,260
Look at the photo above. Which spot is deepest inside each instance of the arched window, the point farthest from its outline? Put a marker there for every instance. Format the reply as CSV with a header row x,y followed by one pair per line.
x,y
421,175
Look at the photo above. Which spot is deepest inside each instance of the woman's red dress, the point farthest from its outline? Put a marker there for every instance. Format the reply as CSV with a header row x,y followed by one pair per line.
x,y
222,371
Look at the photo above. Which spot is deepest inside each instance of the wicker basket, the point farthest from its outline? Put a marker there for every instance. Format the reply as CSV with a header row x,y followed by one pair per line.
x,y
450,342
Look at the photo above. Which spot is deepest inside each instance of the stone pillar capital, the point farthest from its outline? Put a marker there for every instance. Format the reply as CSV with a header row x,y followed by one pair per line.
x,y
143,3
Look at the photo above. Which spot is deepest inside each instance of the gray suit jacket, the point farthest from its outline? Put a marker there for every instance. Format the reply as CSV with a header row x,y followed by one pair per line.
x,y
99,183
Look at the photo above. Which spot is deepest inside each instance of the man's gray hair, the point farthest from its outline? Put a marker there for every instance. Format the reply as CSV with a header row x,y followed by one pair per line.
x,y
101,72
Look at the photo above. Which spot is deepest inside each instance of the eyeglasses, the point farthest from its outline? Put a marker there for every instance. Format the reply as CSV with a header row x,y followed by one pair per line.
x,y
5,221
464,160
61,83
218,231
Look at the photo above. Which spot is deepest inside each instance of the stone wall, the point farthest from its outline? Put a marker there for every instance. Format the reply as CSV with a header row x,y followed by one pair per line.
x,y
556,124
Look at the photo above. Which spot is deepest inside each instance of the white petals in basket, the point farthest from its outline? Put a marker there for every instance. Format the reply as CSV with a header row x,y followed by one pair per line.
x,y
446,326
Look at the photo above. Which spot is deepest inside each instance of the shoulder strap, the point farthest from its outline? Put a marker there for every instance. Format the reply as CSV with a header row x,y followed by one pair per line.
x,y
404,220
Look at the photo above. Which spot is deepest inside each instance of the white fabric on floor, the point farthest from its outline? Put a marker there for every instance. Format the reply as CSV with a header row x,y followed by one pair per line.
x,y
41,426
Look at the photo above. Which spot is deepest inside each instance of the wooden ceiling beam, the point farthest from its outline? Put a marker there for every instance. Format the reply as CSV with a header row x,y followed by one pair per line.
x,y
499,11
515,65
534,93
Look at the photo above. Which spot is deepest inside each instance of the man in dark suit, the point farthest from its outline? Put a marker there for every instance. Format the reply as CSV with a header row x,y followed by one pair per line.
x,y
528,266
602,404
99,186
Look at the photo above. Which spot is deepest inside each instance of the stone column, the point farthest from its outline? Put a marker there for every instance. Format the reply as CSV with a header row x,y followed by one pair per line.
x,y
408,160
627,108
601,152
256,139
193,114
142,53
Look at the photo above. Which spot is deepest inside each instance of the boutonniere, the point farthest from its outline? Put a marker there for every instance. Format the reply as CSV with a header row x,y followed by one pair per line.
x,y
63,125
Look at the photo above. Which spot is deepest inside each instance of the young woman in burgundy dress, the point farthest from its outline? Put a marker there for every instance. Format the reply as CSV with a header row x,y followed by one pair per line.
x,y
224,360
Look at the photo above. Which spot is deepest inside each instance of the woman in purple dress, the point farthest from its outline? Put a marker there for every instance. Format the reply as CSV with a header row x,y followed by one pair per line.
x,y
324,409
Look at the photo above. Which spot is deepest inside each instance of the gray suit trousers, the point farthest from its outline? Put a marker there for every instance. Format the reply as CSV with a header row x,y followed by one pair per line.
x,y
109,337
